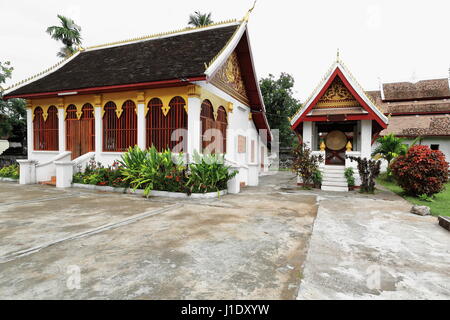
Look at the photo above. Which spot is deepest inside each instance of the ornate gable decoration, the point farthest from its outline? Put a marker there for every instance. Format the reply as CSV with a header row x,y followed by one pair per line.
x,y
337,96
229,79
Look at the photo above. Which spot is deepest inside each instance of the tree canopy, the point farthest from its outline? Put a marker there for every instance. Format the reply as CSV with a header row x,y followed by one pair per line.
x,y
198,19
280,105
69,33
12,112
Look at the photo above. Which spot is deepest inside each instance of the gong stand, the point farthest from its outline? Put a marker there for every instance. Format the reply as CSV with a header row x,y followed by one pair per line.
x,y
336,156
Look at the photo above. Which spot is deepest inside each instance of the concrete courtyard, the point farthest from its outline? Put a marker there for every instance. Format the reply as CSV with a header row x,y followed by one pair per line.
x,y
246,246
265,243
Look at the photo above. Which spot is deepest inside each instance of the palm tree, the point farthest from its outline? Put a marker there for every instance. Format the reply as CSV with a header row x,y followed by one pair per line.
x,y
69,33
199,19
390,147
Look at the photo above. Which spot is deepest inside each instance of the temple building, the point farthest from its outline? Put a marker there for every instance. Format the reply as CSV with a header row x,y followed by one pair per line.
x,y
420,109
339,120
193,90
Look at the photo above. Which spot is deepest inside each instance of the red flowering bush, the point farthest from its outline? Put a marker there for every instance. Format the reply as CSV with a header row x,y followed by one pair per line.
x,y
421,171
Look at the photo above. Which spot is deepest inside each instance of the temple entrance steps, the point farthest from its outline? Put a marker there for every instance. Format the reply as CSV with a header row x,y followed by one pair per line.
x,y
334,179
51,182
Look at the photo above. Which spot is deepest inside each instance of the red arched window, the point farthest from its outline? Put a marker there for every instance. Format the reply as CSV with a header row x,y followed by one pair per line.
x,y
71,117
222,125
161,129
88,126
207,122
46,131
119,133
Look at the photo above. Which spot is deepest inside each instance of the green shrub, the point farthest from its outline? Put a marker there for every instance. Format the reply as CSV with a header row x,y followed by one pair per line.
x,y
12,171
96,174
208,174
349,175
368,171
152,170
317,178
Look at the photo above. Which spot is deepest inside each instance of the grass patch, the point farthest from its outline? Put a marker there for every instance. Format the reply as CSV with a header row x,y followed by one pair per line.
x,y
440,206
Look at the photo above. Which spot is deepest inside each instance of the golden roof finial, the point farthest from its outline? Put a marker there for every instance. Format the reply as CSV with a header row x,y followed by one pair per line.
x,y
338,58
247,16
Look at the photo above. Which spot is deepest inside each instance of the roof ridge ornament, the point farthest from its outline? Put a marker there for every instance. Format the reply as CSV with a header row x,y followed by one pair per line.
x,y
247,16
338,58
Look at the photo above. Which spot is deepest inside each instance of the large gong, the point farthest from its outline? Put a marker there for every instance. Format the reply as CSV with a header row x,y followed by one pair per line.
x,y
336,140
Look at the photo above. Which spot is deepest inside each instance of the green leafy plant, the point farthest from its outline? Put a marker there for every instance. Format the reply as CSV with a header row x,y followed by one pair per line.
x,y
305,164
421,171
12,171
152,170
317,178
368,171
349,175
426,198
208,174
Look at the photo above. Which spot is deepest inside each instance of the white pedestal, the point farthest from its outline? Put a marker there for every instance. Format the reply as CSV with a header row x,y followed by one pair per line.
x,y
27,171
64,174
234,185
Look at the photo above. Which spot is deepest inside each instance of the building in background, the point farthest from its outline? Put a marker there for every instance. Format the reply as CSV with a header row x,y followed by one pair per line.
x,y
107,98
418,109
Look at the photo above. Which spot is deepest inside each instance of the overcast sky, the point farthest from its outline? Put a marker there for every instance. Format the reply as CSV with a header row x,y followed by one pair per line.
x,y
394,40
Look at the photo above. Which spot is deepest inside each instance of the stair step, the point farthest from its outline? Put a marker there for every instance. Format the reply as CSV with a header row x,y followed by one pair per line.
x,y
334,188
335,179
334,175
51,182
335,183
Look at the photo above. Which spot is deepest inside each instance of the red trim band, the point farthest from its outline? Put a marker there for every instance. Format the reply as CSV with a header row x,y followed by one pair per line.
x,y
122,87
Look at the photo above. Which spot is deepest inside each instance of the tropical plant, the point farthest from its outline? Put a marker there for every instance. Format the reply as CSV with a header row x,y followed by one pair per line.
x,y
390,147
349,175
368,171
69,33
152,170
198,19
421,171
12,171
208,173
305,163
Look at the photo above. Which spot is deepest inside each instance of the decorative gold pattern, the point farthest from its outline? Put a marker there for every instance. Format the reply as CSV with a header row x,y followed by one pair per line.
x,y
229,79
337,96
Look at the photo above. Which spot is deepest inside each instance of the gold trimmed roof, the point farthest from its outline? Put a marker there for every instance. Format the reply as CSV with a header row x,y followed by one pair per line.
x,y
131,40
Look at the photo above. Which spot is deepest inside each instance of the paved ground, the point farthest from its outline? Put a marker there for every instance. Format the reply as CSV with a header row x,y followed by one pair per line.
x,y
371,247
247,246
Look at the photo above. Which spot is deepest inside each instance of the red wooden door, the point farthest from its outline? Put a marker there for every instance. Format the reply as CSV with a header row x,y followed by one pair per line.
x,y
80,136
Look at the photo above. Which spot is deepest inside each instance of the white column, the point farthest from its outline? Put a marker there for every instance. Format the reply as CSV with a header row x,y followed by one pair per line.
x,y
194,124
141,136
30,137
61,130
307,134
366,138
98,131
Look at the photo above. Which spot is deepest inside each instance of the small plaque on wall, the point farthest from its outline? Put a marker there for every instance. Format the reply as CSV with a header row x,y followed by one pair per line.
x,y
242,144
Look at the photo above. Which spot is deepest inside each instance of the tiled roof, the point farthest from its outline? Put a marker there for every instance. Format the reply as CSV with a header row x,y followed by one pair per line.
x,y
425,89
162,58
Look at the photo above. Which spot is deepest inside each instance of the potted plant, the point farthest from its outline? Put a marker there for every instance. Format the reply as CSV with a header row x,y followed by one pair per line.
x,y
349,175
317,179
